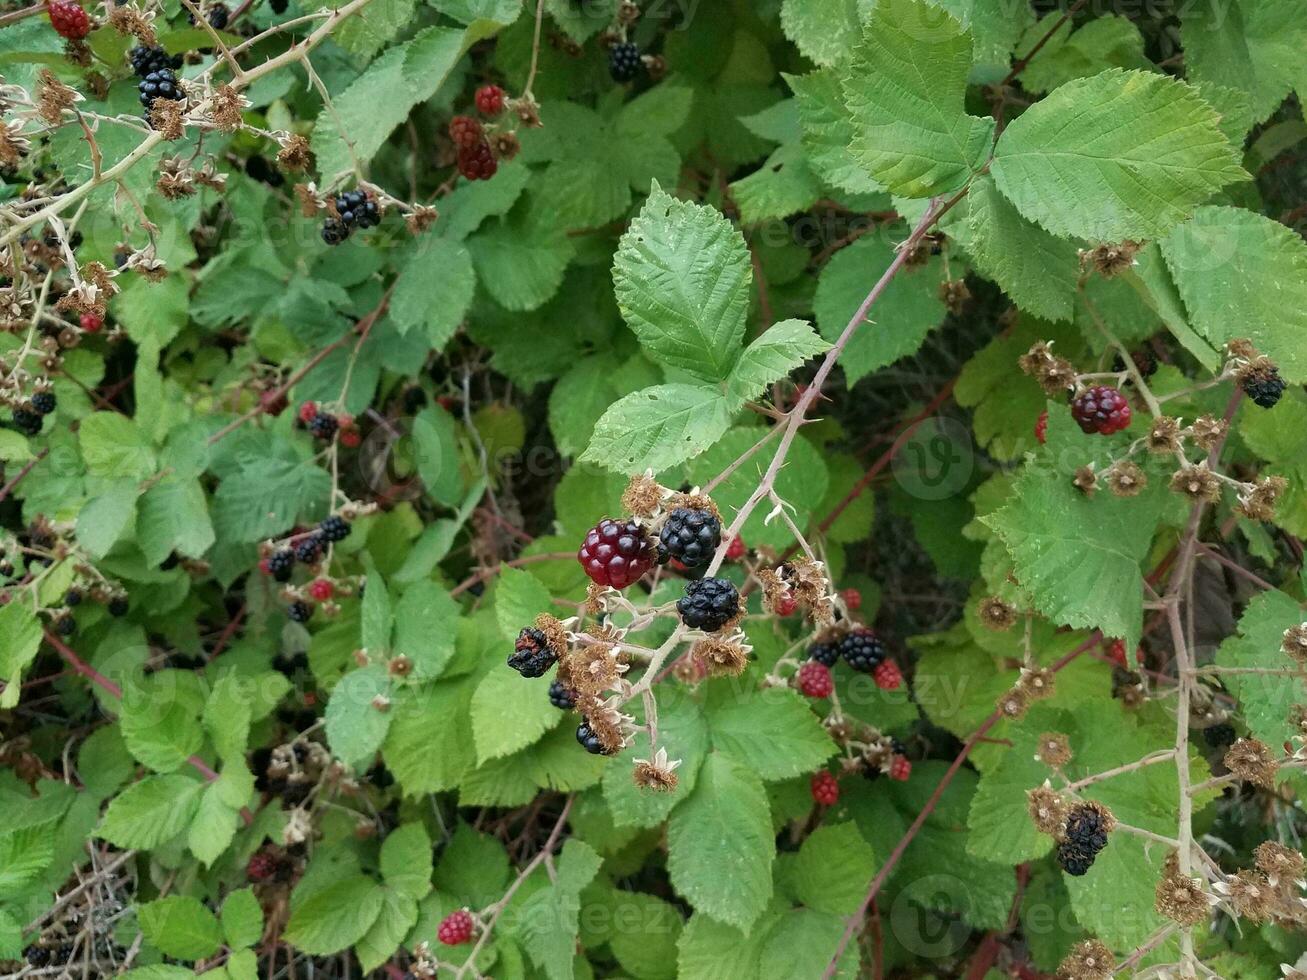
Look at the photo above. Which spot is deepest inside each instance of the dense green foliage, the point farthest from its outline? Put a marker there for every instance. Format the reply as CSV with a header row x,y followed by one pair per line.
x,y
973,322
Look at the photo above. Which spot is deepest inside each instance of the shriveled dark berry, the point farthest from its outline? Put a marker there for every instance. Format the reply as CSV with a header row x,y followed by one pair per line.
x,y
43,402
690,536
28,423
299,612
73,597
1220,736
532,655
37,955
709,604
1083,835
1264,386
334,232
118,606
863,650
65,625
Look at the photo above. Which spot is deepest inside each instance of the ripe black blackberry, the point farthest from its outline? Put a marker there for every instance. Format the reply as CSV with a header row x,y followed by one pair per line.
x,y
709,604
73,597
36,956
218,16
624,62
43,402
586,736
532,655
323,425
65,625
1084,835
561,696
863,650
28,423
690,536
146,59
824,653
118,606
334,528
281,563
1220,736
159,84
279,6
309,549
1263,385
299,612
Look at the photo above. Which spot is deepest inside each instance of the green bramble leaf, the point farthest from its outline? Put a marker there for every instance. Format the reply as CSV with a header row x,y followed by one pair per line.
x,y
20,638
772,356
720,844
242,918
1244,275
905,85
658,427
1124,154
146,814
1268,700
180,926
334,916
1077,52
358,714
774,734
1254,46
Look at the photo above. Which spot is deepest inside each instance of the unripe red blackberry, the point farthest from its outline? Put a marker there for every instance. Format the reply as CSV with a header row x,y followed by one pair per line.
x,y
887,676
900,768
456,928
825,788
616,554
1101,410
466,132
261,867
852,599
490,100
735,550
91,323
815,680
69,19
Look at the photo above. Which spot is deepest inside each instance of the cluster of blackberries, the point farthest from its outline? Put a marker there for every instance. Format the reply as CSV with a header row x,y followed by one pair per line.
x,y
308,549
532,654
624,62
146,59
29,420
690,536
616,553
1263,385
1083,835
159,84
1101,410
353,209
39,956
709,604
324,425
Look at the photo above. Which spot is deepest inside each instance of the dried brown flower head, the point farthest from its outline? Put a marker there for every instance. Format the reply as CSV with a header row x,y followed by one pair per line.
x,y
1241,348
1251,760
657,774
1056,375
166,117
1295,643
1086,480
295,154
1278,862
1036,684
1178,897
1198,483
505,145
953,293
1013,703
527,109
1165,435
1088,960
1125,479
643,496
806,580
1047,809
53,97
1208,431
554,631
1250,895
722,657
13,144
1053,749
1110,258
174,179
420,219
995,614
606,721
1257,500
225,108
127,19
592,668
